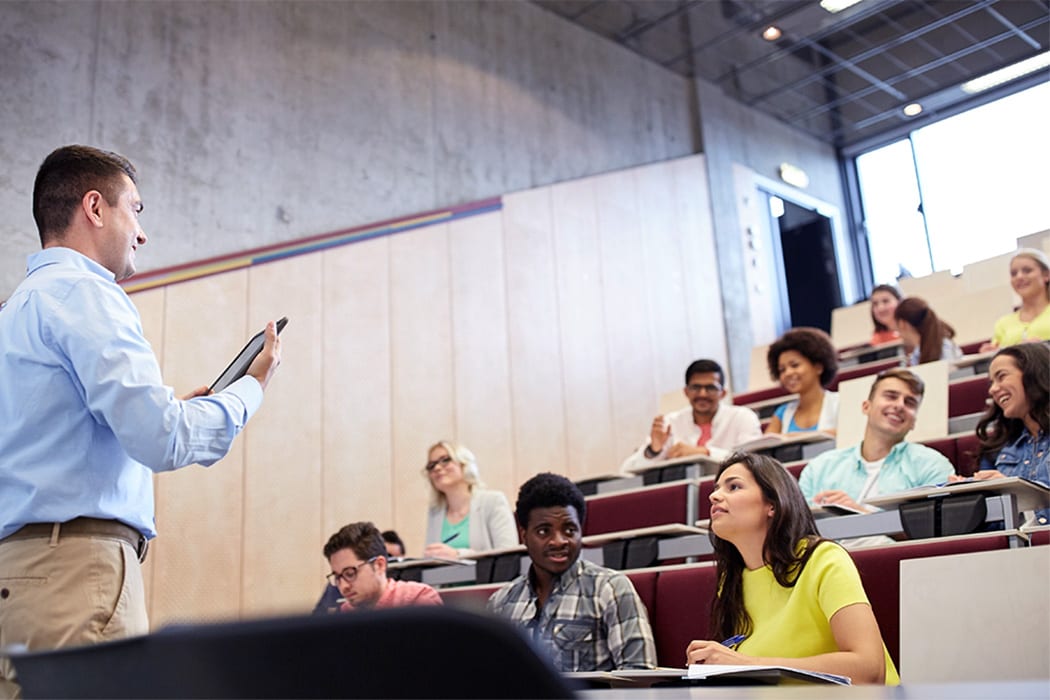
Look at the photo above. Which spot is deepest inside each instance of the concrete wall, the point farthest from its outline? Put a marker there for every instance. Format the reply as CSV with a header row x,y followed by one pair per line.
x,y
258,122
734,134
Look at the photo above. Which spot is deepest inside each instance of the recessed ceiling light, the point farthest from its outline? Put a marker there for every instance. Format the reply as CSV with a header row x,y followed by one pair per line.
x,y
834,6
913,110
1005,75
771,33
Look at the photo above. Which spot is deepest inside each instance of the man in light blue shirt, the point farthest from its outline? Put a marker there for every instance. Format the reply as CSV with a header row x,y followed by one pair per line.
x,y
85,419
883,462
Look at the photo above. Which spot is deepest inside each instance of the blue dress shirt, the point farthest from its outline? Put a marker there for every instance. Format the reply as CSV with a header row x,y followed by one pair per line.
x,y
907,466
84,416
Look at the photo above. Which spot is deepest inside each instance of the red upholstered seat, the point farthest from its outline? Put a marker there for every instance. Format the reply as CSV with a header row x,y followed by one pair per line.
x,y
749,397
966,447
946,446
796,469
974,347
968,396
879,569
1041,536
629,510
867,369
684,611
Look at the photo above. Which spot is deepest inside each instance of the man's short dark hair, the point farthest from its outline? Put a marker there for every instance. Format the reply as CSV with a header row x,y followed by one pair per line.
x,y
363,538
905,375
701,366
391,537
65,176
548,491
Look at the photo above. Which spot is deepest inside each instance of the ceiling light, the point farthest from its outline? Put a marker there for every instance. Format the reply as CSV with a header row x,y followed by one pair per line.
x,y
834,6
1005,75
913,110
771,33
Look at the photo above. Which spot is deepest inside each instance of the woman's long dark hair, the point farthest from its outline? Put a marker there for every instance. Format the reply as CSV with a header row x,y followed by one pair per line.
x,y
994,429
932,330
792,523
889,289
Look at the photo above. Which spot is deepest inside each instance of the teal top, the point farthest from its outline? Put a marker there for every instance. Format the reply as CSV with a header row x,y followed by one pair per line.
x,y
456,536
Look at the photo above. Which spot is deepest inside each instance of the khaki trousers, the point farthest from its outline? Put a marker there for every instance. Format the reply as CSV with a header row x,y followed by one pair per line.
x,y
67,591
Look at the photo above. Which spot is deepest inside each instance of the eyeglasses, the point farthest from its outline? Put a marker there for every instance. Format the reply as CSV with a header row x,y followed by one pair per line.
x,y
442,461
349,574
704,388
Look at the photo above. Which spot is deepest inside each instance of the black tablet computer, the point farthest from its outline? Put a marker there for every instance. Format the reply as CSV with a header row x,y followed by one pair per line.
x,y
239,367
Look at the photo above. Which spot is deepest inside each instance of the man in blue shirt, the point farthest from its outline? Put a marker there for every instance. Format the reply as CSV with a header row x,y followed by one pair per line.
x,y
883,462
85,419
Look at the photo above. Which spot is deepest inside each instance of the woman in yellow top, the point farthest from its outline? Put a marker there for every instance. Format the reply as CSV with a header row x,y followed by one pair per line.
x,y
1030,278
787,597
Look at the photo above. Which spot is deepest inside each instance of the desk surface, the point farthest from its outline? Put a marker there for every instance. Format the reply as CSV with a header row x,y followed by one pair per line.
x,y
1015,690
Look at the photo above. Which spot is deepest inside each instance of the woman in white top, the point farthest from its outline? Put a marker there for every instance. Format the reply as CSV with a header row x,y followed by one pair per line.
x,y
463,517
926,337
804,361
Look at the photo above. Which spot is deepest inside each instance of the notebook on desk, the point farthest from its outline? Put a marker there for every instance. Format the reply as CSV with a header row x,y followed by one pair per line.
x,y
760,675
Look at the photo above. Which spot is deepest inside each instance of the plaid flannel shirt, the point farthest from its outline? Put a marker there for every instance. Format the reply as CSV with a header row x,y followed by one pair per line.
x,y
592,621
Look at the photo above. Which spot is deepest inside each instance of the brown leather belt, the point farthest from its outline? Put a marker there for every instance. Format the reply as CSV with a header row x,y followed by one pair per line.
x,y
90,527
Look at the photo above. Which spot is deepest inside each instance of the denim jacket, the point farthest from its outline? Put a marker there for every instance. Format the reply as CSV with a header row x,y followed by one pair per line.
x,y
1027,457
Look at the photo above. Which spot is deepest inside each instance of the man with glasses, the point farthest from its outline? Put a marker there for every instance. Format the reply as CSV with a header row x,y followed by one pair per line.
x,y
357,555
704,427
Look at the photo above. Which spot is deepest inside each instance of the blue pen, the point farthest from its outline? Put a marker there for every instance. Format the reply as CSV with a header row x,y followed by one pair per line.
x,y
449,538
734,640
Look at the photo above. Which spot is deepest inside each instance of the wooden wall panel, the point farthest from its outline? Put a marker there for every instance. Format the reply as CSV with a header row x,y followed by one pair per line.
x,y
480,349
282,473
625,295
151,310
585,361
199,510
665,275
537,336
537,391
422,387
356,474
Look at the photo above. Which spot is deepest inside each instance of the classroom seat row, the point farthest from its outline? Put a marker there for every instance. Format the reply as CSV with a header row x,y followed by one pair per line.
x,y
667,503
678,597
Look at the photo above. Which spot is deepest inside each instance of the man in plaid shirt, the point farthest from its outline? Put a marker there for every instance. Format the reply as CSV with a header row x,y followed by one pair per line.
x,y
587,617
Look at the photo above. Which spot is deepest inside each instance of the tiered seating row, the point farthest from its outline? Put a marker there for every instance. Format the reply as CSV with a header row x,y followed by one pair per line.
x,y
678,598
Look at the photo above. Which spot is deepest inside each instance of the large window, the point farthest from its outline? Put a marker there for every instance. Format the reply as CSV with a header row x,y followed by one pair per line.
x,y
960,190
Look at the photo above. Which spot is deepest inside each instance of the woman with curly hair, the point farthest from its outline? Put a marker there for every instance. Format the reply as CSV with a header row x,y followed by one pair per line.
x,y
804,361
926,337
786,596
1014,431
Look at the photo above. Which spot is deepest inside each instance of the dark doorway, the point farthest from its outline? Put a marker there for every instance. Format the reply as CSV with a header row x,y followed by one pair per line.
x,y
808,269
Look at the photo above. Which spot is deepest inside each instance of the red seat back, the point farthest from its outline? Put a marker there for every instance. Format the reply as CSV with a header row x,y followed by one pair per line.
x,y
868,369
966,447
968,396
879,569
654,505
684,611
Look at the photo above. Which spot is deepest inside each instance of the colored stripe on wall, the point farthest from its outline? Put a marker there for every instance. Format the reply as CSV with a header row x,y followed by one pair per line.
x,y
260,256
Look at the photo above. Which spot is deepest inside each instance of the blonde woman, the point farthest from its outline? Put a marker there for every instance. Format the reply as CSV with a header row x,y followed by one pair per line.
x,y
1030,278
464,517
